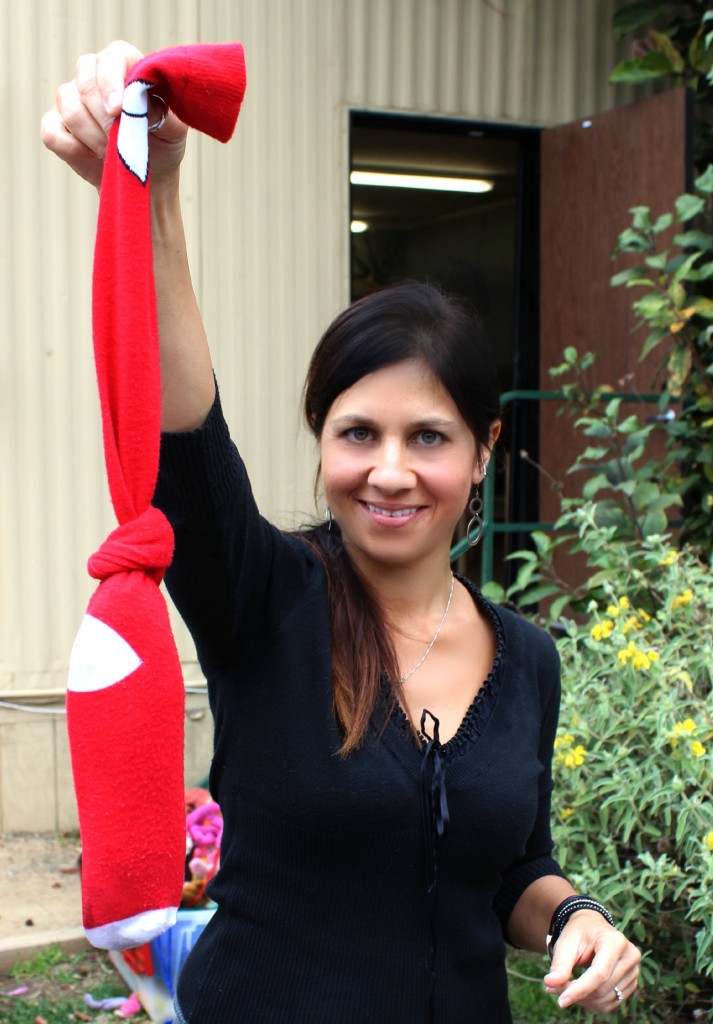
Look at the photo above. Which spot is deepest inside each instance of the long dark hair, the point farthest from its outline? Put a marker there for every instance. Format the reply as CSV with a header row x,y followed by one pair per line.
x,y
404,321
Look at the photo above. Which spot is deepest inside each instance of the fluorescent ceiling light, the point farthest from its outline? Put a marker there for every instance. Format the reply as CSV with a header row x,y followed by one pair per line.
x,y
358,227
437,183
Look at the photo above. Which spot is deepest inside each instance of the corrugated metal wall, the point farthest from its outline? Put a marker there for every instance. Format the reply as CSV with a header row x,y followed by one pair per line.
x,y
267,220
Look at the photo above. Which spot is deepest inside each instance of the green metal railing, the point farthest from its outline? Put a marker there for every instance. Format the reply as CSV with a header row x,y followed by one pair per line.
x,y
490,527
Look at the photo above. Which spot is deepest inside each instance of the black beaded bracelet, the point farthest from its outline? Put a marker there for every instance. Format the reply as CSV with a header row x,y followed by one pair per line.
x,y
563,913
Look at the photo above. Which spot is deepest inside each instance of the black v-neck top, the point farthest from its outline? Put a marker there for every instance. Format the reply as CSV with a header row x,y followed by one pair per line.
x,y
375,887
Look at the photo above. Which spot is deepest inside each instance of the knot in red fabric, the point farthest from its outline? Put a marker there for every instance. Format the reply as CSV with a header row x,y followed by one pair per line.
x,y
144,544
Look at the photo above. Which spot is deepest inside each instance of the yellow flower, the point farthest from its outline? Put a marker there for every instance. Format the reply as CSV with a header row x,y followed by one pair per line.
x,y
621,604
627,652
644,615
686,728
567,812
632,622
708,840
697,748
669,559
682,599
562,740
575,757
687,725
640,660
602,630
567,754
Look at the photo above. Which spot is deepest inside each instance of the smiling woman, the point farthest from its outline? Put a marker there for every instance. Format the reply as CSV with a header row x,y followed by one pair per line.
x,y
403,400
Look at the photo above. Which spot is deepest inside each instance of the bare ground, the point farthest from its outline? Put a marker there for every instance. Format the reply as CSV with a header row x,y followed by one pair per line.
x,y
39,882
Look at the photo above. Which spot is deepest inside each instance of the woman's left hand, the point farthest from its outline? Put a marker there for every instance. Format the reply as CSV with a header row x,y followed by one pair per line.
x,y
612,964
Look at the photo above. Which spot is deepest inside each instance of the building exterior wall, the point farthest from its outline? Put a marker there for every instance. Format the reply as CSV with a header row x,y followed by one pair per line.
x,y
267,224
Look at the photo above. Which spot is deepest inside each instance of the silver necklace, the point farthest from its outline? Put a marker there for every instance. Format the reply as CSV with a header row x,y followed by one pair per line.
x,y
402,679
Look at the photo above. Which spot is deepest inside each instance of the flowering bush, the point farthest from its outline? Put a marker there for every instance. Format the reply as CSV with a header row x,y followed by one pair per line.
x,y
633,763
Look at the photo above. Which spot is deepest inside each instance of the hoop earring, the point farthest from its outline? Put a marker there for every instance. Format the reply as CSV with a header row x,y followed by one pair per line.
x,y
475,507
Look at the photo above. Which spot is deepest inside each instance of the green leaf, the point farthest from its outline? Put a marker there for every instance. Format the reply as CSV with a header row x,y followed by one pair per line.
x,y
679,368
681,274
558,606
688,206
644,495
678,294
628,19
629,274
593,453
662,223
641,217
538,593
493,592
641,69
634,241
704,183
650,305
608,513
612,408
695,239
653,523
702,306
594,485
700,56
657,261
665,45
654,338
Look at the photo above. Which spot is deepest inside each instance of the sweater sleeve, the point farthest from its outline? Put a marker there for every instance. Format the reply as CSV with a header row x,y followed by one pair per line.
x,y
228,559
537,860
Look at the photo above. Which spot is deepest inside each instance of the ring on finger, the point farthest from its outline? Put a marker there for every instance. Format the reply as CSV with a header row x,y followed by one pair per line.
x,y
160,122
618,994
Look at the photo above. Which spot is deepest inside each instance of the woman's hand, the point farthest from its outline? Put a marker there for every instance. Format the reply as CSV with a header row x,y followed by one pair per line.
x,y
76,127
612,964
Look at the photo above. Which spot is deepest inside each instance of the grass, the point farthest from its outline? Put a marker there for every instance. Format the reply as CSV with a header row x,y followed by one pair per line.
x,y
529,1002
56,983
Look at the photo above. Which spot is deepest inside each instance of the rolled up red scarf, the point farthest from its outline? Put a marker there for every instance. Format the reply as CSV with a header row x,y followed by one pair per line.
x,y
125,699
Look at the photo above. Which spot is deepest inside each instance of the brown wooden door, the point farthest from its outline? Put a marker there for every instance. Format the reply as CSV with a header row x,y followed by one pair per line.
x,y
592,172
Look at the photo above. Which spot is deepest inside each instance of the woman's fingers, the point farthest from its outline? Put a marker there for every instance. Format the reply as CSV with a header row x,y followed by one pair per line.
x,y
113,63
76,127
59,140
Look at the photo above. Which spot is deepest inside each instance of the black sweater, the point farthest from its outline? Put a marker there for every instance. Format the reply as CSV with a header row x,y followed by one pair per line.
x,y
328,912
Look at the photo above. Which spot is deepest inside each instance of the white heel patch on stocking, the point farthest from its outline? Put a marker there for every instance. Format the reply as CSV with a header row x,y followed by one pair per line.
x,y
100,657
132,931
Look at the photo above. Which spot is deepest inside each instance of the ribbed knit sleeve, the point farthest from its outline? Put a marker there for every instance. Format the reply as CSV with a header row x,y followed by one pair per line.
x,y
537,861
228,561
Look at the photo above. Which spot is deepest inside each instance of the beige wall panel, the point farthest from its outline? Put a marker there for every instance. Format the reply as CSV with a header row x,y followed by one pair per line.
x,y
267,224
28,773
199,739
534,62
65,803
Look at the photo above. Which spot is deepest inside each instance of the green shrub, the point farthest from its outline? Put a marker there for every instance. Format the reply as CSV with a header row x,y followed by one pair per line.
x,y
676,310
634,787
633,761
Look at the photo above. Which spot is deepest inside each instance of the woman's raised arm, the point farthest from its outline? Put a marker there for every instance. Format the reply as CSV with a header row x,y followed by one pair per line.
x,y
76,130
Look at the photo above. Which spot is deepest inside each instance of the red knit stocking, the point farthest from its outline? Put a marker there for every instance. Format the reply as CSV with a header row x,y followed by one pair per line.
x,y
125,689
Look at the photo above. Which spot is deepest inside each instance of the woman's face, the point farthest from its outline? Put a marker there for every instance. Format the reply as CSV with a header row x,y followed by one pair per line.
x,y
398,464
